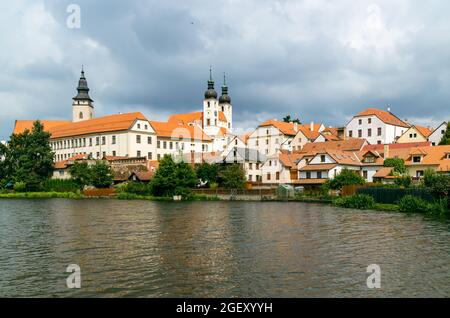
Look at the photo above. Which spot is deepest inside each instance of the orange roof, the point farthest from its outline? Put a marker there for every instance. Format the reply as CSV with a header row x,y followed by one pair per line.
x,y
320,167
63,164
222,117
285,128
423,130
406,145
384,116
432,156
383,172
109,123
351,144
178,129
289,159
187,118
306,130
22,125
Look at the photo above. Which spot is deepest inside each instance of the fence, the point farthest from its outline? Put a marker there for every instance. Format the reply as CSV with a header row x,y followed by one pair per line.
x,y
392,195
246,192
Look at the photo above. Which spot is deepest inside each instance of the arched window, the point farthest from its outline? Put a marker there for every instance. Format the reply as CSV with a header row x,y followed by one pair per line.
x,y
81,115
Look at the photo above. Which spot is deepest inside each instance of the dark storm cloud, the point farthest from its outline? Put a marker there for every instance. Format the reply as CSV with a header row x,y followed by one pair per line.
x,y
317,60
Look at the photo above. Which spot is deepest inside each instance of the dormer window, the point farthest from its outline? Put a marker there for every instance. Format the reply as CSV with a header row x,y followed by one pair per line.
x,y
322,158
416,159
369,159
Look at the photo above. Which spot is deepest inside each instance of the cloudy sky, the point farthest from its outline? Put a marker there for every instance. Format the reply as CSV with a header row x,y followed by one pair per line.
x,y
314,59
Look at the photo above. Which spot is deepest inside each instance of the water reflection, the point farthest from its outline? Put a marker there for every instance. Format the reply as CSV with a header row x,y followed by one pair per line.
x,y
217,249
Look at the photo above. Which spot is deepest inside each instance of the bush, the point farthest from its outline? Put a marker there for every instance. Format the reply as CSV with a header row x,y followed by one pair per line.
x,y
403,181
233,177
136,188
57,185
411,203
346,177
397,163
20,186
358,201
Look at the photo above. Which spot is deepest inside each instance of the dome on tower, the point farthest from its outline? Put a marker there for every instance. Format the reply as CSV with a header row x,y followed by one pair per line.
x,y
210,93
225,98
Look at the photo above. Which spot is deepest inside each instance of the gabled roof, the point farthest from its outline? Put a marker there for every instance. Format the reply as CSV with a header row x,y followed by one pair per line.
x,y
384,173
285,128
423,130
432,155
384,116
109,123
351,144
179,129
289,159
443,123
187,118
21,125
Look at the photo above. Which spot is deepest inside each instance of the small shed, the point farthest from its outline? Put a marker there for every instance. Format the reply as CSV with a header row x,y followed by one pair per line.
x,y
285,191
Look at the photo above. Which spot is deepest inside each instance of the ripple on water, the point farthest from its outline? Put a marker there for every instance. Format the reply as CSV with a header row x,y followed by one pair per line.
x,y
217,249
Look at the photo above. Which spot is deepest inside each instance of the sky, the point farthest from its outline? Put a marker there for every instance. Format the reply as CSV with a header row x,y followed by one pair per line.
x,y
317,60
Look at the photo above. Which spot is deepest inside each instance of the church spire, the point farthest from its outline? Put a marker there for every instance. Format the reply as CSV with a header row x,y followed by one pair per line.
x,y
224,98
83,89
210,93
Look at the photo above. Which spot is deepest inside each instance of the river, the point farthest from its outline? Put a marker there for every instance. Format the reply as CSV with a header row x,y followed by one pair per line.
x,y
217,249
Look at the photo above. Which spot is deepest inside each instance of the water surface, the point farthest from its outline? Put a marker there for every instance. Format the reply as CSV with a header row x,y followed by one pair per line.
x,y
217,249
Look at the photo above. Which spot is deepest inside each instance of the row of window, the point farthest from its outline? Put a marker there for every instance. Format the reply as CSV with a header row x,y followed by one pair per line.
x,y
369,121
178,145
99,155
89,142
369,132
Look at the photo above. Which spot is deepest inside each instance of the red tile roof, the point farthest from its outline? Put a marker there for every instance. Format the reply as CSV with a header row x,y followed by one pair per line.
x,y
21,125
177,129
384,116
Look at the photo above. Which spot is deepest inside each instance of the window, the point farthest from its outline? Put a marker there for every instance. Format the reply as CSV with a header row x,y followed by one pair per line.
x,y
138,139
322,158
113,140
277,176
369,132
158,144
208,121
257,143
360,133
268,176
164,144
150,156
114,153
360,121
350,133
97,141
369,120
139,126
104,154
267,141
90,142
419,173
159,157
410,135
250,166
250,178
138,153
308,174
267,131
236,142
146,127
369,159
416,159
379,142
379,131
80,116
103,140
319,174
365,174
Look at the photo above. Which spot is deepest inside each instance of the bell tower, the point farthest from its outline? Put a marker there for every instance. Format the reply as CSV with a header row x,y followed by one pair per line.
x,y
82,106
210,105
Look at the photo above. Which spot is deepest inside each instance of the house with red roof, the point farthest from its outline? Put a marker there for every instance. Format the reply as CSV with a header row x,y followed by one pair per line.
x,y
376,126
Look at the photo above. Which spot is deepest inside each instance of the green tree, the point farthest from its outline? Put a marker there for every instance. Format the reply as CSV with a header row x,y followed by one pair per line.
x,y
163,182
29,157
185,179
233,177
446,138
397,163
81,173
288,119
3,150
403,181
101,175
173,178
206,172
345,177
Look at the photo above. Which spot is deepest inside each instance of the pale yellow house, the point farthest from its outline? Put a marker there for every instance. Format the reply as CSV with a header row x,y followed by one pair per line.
x,y
415,134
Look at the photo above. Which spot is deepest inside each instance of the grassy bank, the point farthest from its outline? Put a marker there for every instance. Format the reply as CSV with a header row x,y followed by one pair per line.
x,y
41,195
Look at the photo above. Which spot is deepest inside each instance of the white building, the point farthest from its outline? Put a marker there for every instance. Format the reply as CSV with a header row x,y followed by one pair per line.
x,y
437,134
377,126
126,135
280,168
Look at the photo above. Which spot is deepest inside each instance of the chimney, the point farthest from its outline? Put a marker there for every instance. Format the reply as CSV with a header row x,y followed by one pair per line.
x,y
386,151
312,126
296,126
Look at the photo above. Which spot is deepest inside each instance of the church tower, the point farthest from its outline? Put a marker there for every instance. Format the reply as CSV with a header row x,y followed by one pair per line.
x,y
82,106
210,106
225,104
